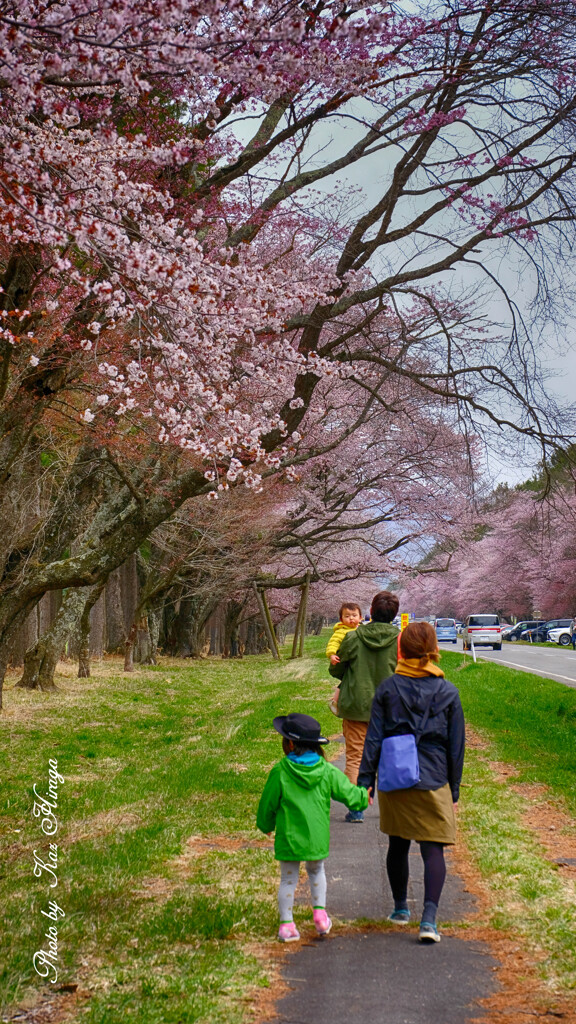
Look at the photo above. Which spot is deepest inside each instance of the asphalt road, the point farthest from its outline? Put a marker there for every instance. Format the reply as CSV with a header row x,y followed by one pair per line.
x,y
553,662
381,974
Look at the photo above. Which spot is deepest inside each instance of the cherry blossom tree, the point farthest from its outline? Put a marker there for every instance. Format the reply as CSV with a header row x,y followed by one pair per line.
x,y
183,287
518,561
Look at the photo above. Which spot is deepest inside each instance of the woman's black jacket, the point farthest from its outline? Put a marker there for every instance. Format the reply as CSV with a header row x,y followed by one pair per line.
x,y
398,707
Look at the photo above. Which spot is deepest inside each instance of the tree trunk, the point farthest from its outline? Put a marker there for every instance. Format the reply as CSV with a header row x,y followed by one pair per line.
x,y
215,626
98,627
116,530
4,658
8,640
84,653
305,593
187,629
184,637
25,637
154,624
167,623
144,643
115,633
266,621
48,608
256,641
40,664
41,659
231,628
314,625
197,631
35,624
84,631
129,648
129,588
136,640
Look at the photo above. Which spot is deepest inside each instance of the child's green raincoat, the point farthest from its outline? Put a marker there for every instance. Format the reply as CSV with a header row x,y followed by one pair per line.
x,y
296,804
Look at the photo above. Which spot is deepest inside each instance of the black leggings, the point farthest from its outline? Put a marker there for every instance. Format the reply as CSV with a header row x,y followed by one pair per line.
x,y
397,868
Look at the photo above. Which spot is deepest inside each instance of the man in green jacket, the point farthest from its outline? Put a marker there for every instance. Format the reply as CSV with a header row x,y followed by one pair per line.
x,y
367,655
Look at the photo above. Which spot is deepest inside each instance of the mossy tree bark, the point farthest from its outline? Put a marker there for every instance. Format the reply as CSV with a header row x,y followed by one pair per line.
x,y
41,659
115,531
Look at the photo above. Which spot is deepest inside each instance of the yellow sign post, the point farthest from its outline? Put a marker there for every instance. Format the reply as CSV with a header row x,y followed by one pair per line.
x,y
404,620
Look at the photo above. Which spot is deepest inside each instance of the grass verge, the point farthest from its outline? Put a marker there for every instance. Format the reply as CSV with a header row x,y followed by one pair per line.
x,y
531,720
528,724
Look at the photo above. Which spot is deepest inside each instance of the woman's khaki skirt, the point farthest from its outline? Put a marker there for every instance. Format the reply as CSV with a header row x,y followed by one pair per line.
x,y
425,815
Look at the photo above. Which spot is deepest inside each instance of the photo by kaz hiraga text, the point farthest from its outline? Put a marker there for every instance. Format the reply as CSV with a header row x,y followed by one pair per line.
x,y
45,960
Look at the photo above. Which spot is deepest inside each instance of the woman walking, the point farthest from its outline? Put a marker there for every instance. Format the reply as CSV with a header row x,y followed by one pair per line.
x,y
417,699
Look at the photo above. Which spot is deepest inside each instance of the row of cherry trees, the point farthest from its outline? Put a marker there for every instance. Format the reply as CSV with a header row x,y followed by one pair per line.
x,y
519,560
342,525
200,307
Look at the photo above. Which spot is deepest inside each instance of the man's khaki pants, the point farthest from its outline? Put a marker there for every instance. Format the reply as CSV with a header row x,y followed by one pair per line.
x,y
354,734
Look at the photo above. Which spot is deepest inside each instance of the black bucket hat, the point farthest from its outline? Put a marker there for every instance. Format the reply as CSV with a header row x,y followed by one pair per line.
x,y
300,728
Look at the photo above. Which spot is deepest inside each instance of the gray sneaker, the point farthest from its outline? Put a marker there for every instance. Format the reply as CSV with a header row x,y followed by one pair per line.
x,y
428,932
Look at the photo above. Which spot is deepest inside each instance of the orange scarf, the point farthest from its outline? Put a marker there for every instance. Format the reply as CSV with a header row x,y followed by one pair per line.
x,y
411,667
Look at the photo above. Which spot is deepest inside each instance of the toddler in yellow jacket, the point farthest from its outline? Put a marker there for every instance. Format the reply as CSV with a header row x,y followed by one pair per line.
x,y
350,618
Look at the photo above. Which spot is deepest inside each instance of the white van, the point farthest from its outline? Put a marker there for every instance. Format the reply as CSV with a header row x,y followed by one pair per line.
x,y
482,631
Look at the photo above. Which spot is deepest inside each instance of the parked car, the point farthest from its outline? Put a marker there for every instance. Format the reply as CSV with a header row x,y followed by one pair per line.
x,y
483,631
520,627
446,630
562,636
539,634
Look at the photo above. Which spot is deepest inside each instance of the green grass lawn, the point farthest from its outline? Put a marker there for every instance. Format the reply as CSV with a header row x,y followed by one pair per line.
x,y
510,644
168,889
149,760
531,720
529,723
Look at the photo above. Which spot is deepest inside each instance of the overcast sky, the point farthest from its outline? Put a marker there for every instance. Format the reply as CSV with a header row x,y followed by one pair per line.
x,y
556,349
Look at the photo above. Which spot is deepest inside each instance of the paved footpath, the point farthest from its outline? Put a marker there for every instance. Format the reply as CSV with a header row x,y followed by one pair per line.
x,y
382,977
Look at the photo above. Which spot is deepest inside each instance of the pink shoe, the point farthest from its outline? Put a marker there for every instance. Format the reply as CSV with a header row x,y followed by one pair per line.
x,y
322,922
288,932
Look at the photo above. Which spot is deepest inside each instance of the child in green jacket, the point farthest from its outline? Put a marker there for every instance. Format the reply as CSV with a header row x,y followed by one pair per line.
x,y
296,805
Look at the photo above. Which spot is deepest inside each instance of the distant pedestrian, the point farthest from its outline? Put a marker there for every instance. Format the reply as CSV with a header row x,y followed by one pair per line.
x,y
573,634
296,804
367,655
418,700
